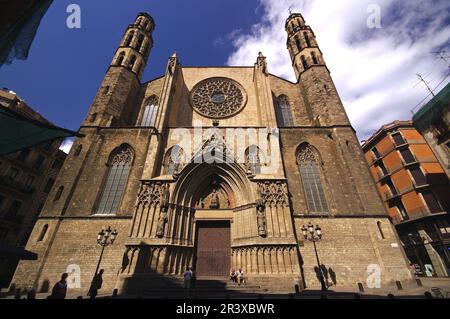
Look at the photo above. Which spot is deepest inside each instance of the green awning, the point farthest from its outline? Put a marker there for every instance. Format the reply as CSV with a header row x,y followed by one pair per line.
x,y
433,110
18,132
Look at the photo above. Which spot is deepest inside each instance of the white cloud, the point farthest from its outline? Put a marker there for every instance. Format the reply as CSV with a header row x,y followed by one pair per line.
x,y
66,145
373,69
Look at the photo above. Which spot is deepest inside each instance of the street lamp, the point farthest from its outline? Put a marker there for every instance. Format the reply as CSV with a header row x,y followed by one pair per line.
x,y
105,238
313,235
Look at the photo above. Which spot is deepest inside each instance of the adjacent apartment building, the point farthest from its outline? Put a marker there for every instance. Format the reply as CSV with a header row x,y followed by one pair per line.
x,y
26,178
433,121
415,190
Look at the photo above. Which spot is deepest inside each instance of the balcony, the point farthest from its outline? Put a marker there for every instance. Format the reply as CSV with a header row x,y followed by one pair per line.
x,y
376,159
382,175
410,162
400,219
15,185
400,144
414,214
390,195
420,185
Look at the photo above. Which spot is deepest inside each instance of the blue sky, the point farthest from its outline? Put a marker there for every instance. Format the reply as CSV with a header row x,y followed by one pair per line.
x,y
374,69
66,66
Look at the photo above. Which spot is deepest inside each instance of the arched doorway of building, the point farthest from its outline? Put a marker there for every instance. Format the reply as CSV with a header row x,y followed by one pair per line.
x,y
212,191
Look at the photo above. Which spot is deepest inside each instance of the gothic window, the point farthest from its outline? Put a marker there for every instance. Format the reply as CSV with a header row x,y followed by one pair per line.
x,y
79,148
129,38
308,43
43,232
253,159
173,160
284,111
304,62
93,117
310,172
131,61
119,167
218,97
58,193
120,58
139,43
145,50
299,45
138,68
380,230
314,58
150,111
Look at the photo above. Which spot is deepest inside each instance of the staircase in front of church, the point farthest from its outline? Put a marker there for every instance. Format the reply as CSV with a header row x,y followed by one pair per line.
x,y
205,287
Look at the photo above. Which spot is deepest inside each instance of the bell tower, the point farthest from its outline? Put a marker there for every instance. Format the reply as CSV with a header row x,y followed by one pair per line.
x,y
312,74
115,100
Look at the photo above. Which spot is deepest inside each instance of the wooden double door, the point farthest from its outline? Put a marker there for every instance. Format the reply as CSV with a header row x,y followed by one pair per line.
x,y
213,248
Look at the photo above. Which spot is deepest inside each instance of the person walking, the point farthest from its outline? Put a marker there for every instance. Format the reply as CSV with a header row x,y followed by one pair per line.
x,y
96,284
59,290
187,278
193,278
240,277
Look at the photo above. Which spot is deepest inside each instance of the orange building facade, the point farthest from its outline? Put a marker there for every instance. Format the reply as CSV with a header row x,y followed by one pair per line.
x,y
415,190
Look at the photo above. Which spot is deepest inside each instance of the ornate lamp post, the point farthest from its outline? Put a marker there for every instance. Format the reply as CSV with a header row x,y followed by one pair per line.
x,y
315,234
105,238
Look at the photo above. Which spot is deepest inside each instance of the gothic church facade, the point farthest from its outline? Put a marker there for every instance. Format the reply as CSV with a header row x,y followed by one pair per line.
x,y
171,211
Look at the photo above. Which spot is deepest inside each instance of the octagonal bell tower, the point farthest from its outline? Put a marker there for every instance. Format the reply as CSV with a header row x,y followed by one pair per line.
x,y
115,100
312,74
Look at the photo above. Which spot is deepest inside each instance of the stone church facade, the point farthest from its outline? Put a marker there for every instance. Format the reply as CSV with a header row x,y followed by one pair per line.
x,y
172,209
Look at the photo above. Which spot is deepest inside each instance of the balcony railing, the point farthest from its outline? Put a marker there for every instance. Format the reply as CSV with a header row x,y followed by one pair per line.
x,y
400,144
410,162
418,185
414,214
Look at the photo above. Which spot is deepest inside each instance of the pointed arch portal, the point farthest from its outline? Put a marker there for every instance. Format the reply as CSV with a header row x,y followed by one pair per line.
x,y
213,191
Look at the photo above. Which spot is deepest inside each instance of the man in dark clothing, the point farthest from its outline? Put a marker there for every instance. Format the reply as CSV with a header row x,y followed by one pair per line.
x,y
96,284
60,288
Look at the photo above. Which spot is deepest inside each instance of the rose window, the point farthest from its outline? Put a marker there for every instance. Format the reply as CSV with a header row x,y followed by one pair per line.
x,y
218,97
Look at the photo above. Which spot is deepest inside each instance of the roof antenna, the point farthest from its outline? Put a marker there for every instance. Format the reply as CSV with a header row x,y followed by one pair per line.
x,y
426,83
290,10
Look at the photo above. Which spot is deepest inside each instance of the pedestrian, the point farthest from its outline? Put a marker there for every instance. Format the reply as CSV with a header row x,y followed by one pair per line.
x,y
187,278
96,284
413,269
240,276
193,278
233,275
59,290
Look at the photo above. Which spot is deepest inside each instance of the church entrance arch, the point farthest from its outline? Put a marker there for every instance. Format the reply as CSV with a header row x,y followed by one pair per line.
x,y
212,191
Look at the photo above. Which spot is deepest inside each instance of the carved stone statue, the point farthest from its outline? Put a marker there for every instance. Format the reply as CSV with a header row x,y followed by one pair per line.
x,y
262,63
261,219
163,214
214,204
161,223
172,64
